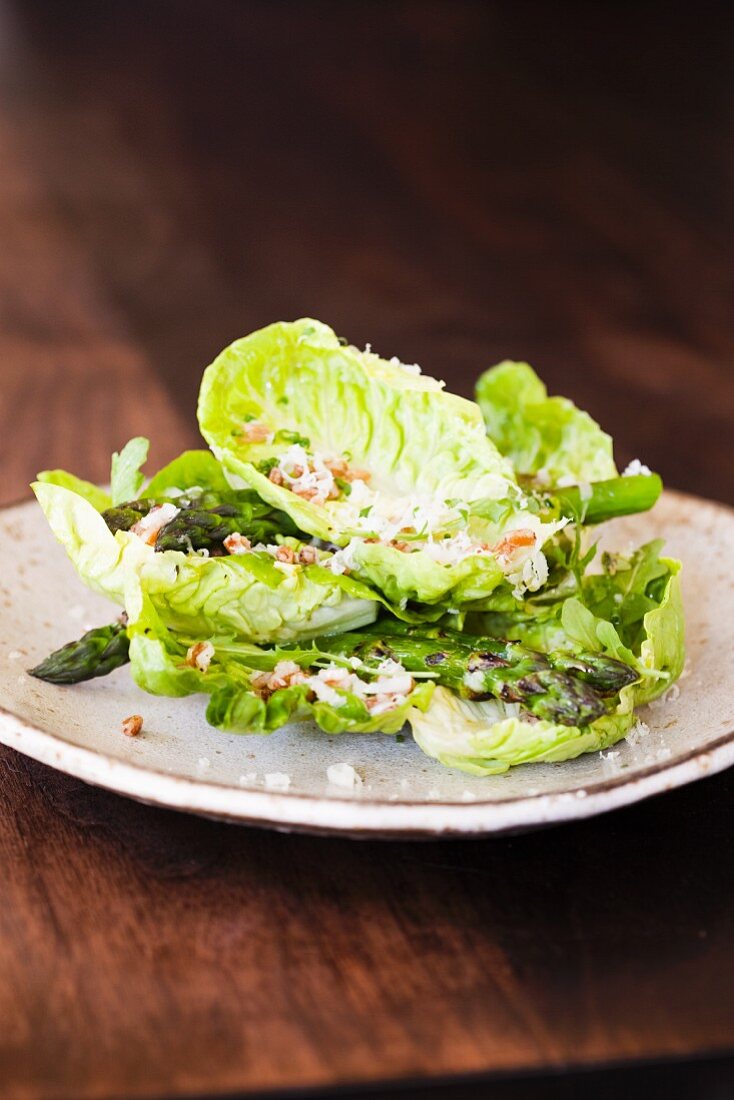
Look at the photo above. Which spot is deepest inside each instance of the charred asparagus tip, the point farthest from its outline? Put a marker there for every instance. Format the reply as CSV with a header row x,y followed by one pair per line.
x,y
96,653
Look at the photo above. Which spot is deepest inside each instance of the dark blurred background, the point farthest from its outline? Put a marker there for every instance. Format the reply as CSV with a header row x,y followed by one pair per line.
x,y
454,182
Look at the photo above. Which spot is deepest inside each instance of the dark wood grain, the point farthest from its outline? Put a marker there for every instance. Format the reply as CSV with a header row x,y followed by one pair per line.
x,y
456,183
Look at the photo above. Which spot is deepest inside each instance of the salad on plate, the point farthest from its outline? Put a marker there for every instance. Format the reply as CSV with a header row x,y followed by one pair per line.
x,y
359,548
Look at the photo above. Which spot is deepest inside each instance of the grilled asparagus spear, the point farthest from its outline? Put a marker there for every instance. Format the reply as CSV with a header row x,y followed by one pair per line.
x,y
558,687
206,529
205,520
96,653
603,500
124,516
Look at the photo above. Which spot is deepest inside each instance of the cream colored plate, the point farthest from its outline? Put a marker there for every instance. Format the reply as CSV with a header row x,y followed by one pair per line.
x,y
182,763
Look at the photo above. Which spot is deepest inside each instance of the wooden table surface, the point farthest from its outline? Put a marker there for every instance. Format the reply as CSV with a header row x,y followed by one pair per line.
x,y
456,183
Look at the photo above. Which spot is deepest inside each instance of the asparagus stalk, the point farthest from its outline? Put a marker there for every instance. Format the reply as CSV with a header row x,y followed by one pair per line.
x,y
562,688
204,521
603,500
606,675
568,690
200,529
96,653
124,516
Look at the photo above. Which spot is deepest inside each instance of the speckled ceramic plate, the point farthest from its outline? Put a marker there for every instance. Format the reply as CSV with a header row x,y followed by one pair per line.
x,y
182,763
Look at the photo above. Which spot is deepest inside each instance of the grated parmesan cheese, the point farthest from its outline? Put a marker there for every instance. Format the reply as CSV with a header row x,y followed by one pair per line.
x,y
411,368
646,747
307,475
148,527
344,775
199,655
635,468
342,561
277,781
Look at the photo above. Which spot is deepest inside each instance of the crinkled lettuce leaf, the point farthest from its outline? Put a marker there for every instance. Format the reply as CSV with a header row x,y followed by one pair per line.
x,y
158,666
488,738
418,443
126,477
193,469
406,577
633,611
547,438
97,497
246,595
301,382
94,552
603,610
482,739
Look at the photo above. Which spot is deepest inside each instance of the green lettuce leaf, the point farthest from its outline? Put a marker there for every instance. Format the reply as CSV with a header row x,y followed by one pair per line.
x,y
488,738
423,449
94,552
403,578
482,739
662,646
158,666
598,611
98,498
126,478
192,469
245,595
547,438
238,710
301,382
633,611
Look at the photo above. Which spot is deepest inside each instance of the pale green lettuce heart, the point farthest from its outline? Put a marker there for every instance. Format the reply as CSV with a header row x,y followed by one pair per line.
x,y
415,439
545,437
419,444
663,647
158,665
244,595
94,552
126,477
97,497
489,737
480,739
416,577
192,469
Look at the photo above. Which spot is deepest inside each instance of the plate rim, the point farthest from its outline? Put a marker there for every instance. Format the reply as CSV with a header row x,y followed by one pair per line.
x,y
358,816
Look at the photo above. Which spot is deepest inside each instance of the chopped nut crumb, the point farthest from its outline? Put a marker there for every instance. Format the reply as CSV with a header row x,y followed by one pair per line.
x,y
149,527
286,554
308,555
132,725
340,468
200,655
237,544
256,432
285,674
514,541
